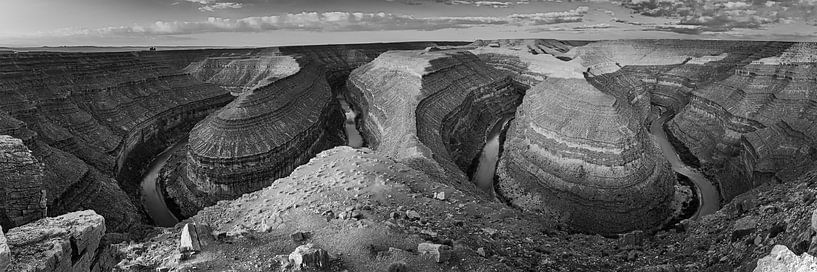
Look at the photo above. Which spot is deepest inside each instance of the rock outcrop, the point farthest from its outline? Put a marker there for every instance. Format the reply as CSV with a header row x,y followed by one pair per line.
x,y
22,193
91,117
270,129
781,259
583,155
757,124
431,108
60,244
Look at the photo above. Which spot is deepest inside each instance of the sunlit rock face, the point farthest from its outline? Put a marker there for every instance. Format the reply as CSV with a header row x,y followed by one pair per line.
x,y
578,149
582,155
265,132
65,243
240,73
431,108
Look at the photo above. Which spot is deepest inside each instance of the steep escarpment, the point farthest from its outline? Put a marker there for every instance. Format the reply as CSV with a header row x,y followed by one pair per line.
x,y
582,155
431,108
262,135
91,117
756,124
21,184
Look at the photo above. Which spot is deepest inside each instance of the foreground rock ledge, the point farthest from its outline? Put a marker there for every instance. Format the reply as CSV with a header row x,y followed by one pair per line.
x,y
59,244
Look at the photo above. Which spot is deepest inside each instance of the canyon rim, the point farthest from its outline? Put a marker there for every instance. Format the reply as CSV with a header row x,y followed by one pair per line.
x,y
392,135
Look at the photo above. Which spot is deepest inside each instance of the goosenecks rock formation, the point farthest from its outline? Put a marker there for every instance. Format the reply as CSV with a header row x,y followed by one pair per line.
x,y
91,117
425,114
267,131
431,109
758,124
285,113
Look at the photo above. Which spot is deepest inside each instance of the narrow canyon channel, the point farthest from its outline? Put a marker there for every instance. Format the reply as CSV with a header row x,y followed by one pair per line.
x,y
352,134
708,195
488,158
152,197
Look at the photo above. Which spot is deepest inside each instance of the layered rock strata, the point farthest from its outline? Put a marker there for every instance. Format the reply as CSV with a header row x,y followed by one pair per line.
x,y
91,117
757,124
583,155
431,108
265,133
22,193
60,244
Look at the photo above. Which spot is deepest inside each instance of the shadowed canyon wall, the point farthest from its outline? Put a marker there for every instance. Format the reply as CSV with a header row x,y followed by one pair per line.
x,y
90,117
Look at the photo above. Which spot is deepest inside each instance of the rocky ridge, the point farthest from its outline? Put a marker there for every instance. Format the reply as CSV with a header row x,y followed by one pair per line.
x,y
431,108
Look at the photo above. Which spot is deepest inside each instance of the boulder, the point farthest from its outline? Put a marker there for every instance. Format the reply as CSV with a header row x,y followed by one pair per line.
x,y
781,259
309,255
59,244
743,227
441,253
189,241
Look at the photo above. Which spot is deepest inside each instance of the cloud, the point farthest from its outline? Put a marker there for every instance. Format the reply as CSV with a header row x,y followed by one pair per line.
x,y
213,5
724,15
325,21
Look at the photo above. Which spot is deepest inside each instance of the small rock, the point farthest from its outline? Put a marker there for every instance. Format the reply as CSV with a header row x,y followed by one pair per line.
x,y
743,227
440,195
490,231
412,215
283,261
300,236
189,242
777,229
814,220
394,215
356,215
398,267
441,253
632,255
309,256
632,239
481,252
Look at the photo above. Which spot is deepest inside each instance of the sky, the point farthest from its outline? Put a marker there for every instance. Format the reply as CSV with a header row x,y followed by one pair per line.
x,y
292,22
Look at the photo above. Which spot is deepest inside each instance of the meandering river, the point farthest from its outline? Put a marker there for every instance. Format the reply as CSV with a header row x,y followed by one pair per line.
x,y
353,135
488,158
708,195
152,196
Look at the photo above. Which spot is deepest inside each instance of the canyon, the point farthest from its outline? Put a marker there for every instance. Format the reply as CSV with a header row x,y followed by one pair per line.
x,y
512,155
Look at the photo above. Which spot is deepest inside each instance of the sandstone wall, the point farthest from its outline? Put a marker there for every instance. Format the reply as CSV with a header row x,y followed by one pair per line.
x,y
265,133
22,193
89,117
66,243
431,109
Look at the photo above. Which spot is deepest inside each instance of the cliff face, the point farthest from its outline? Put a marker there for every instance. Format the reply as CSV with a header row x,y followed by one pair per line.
x,y
91,117
59,244
582,155
758,123
21,184
266,132
431,109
